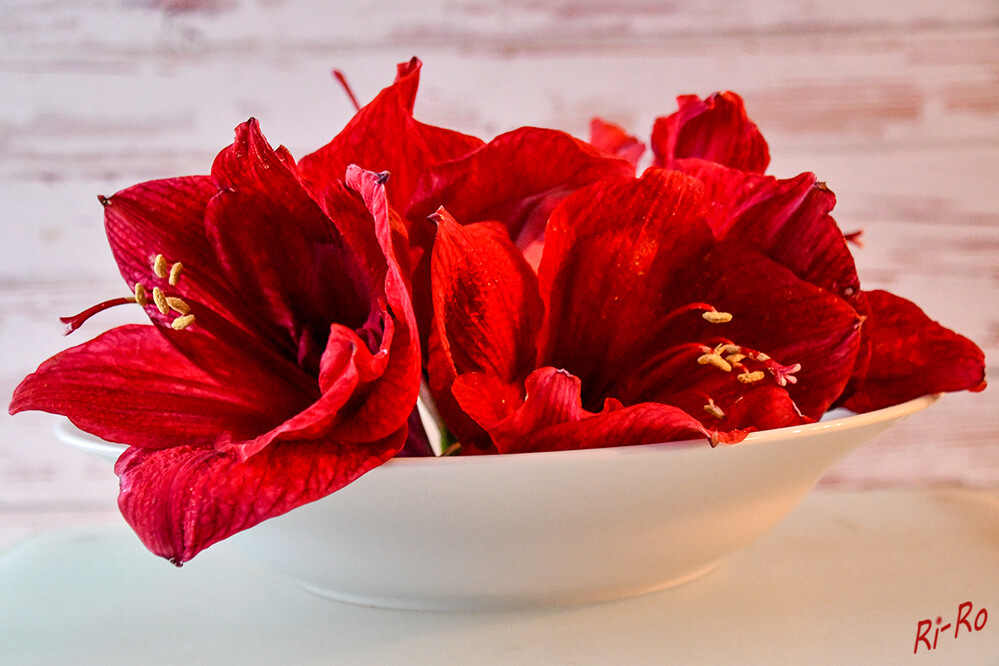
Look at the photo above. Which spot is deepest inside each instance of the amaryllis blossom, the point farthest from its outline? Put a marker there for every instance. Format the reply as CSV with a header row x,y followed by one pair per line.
x,y
903,353
282,361
640,326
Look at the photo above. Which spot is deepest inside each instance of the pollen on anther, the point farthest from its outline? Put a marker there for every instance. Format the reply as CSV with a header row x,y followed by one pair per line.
x,y
140,295
175,271
750,377
714,410
161,301
160,266
178,305
180,323
716,317
715,360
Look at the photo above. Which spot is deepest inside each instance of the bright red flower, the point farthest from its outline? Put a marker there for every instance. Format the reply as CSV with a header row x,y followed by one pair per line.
x,y
715,129
640,326
283,364
903,354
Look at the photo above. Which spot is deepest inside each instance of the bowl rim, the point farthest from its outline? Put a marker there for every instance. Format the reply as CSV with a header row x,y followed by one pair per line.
x,y
73,436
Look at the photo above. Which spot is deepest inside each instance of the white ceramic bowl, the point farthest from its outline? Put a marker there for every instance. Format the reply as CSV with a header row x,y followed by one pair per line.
x,y
547,529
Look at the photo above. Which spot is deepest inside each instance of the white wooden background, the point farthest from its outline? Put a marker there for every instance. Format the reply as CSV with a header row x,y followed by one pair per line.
x,y
894,104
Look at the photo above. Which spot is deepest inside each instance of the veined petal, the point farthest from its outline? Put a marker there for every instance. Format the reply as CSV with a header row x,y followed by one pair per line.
x,y
183,499
131,385
773,311
383,136
550,416
612,253
487,312
912,356
716,129
786,220
516,179
308,277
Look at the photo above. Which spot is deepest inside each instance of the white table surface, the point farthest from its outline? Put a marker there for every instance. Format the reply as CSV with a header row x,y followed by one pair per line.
x,y
846,579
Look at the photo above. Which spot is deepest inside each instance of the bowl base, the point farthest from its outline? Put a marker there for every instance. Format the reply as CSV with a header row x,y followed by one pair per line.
x,y
446,604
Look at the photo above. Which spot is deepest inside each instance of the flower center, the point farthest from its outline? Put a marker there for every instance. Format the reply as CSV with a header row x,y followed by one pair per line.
x,y
162,270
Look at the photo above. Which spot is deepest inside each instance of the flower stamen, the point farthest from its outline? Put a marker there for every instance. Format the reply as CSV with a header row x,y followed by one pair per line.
x,y
714,359
715,317
174,275
751,377
140,295
182,322
714,410
161,301
178,305
161,268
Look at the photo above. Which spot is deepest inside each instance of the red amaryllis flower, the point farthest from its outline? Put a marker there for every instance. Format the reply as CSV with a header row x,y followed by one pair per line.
x,y
903,354
282,362
640,326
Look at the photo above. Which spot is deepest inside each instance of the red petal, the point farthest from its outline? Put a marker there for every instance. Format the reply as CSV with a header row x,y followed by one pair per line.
x,y
131,385
487,312
786,220
613,140
383,136
551,416
183,499
762,408
715,129
622,261
610,252
912,355
773,311
516,179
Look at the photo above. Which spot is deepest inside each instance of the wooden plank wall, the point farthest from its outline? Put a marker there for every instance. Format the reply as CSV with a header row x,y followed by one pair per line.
x,y
895,105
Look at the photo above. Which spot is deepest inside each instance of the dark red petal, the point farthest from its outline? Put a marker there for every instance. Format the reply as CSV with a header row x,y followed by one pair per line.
x,y
786,220
165,217
383,136
487,312
613,140
912,355
762,408
516,179
612,252
773,312
183,499
390,395
284,261
131,385
369,377
715,129
551,416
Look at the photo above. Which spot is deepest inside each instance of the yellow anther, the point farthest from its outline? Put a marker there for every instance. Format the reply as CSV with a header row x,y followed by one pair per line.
x,y
735,358
726,348
175,273
715,360
160,266
180,323
161,301
714,410
140,295
716,317
178,305
750,377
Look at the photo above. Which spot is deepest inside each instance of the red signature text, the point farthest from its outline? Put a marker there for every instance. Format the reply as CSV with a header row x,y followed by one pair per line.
x,y
964,620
